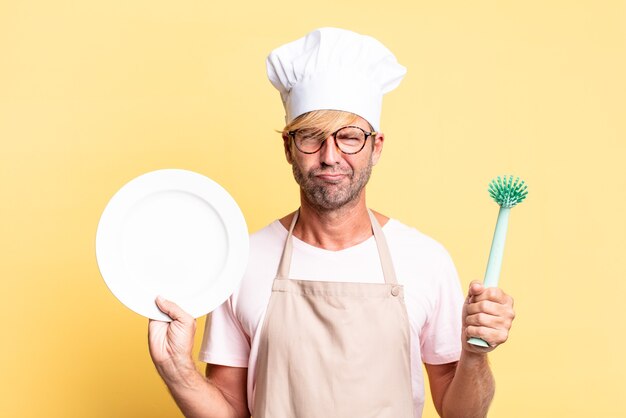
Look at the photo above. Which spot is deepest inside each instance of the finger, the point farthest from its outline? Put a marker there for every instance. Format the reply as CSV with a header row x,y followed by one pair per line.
x,y
490,308
156,328
494,294
489,321
485,306
493,337
173,310
475,288
155,324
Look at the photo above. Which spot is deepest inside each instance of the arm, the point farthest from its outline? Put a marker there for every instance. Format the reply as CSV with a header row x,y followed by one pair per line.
x,y
222,394
466,388
462,389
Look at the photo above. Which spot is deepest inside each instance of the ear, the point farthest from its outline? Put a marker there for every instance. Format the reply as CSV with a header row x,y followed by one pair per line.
x,y
287,146
379,139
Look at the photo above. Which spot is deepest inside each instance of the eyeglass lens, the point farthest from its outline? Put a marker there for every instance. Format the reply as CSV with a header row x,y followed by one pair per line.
x,y
349,139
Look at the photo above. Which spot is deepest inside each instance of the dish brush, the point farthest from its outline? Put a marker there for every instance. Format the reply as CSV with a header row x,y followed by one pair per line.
x,y
507,193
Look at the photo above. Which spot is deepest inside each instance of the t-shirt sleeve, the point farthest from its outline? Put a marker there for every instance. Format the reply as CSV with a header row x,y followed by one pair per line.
x,y
441,335
224,341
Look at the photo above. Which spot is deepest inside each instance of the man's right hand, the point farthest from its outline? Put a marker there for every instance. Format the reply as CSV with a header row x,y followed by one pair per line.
x,y
171,343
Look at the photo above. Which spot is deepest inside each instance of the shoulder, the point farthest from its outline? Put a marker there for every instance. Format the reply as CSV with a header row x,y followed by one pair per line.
x,y
417,254
401,236
270,233
265,250
266,245
423,265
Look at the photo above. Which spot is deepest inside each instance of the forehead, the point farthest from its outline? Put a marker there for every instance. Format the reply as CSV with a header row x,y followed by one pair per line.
x,y
327,121
337,125
334,124
362,123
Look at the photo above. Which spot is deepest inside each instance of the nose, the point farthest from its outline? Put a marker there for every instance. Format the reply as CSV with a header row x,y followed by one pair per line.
x,y
330,153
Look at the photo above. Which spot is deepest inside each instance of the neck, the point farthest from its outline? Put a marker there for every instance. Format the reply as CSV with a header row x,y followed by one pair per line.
x,y
332,229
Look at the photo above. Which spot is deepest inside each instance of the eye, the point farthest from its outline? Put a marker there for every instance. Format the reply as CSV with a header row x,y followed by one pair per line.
x,y
309,135
349,135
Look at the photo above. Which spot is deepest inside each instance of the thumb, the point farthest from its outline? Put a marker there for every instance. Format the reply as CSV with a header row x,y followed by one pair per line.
x,y
475,288
172,310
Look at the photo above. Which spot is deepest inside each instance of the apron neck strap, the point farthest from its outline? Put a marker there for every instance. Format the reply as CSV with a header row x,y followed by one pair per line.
x,y
383,251
285,259
389,272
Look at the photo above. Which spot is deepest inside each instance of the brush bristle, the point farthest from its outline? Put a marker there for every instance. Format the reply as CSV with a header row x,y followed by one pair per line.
x,y
506,192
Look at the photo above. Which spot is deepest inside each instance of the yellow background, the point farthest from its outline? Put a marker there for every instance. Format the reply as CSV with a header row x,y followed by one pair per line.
x,y
92,94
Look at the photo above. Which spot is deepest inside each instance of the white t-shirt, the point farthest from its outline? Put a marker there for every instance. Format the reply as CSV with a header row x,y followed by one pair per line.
x,y
432,292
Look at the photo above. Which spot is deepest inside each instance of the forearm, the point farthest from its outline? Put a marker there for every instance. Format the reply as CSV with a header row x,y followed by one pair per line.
x,y
471,390
194,394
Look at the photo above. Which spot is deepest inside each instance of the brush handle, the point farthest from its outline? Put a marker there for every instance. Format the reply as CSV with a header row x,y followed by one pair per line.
x,y
497,249
495,259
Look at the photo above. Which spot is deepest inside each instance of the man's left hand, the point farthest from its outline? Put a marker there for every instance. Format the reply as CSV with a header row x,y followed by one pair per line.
x,y
488,314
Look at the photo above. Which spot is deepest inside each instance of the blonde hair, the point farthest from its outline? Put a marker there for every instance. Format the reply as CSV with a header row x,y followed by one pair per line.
x,y
325,120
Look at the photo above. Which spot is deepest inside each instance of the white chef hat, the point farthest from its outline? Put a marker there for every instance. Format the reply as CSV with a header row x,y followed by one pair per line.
x,y
334,69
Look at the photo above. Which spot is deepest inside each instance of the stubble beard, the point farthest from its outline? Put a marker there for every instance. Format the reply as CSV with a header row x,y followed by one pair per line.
x,y
328,196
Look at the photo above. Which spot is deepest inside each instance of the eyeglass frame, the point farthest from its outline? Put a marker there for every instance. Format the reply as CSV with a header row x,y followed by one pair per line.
x,y
292,135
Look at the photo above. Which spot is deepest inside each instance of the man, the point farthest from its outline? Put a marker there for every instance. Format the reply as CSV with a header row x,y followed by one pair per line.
x,y
340,305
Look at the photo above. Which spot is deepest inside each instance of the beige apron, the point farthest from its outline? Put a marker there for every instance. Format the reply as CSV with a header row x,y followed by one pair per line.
x,y
334,349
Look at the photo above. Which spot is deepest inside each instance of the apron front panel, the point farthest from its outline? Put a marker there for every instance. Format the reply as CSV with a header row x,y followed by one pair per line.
x,y
334,349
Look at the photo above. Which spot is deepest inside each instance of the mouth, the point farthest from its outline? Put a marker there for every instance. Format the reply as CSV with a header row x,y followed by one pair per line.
x,y
332,178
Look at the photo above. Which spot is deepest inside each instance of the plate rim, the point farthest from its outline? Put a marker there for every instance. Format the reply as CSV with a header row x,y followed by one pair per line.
x,y
202,187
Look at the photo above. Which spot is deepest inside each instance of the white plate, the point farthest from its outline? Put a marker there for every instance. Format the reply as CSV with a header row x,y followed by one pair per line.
x,y
173,233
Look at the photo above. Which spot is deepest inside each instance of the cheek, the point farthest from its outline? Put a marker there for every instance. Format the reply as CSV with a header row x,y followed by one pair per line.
x,y
359,162
301,165
290,155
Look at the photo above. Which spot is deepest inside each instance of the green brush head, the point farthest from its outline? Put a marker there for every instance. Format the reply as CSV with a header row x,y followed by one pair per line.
x,y
506,192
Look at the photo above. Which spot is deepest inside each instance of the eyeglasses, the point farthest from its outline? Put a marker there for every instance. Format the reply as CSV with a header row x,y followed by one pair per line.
x,y
349,139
